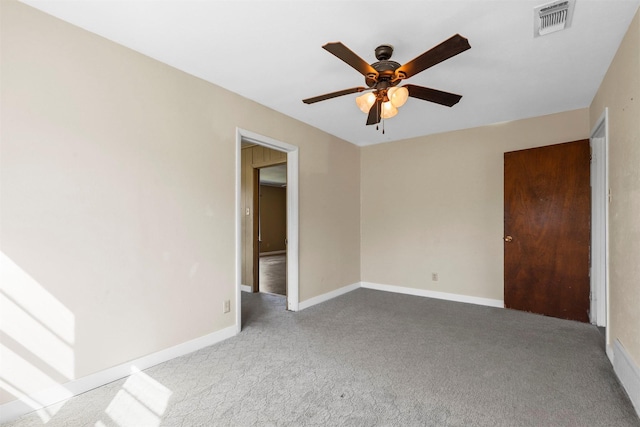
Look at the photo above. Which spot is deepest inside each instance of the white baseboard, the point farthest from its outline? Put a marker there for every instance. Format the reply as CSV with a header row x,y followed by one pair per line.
x,y
401,290
329,295
628,373
434,294
12,410
609,350
246,288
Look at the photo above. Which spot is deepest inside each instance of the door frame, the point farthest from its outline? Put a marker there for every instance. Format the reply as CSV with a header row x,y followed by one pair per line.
x,y
292,216
599,141
255,224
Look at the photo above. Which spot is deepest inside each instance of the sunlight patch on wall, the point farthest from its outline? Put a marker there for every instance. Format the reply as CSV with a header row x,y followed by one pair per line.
x,y
36,338
22,379
141,402
38,334
34,299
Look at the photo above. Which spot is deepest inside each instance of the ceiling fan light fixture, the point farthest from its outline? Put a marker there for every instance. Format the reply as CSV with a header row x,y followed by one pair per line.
x,y
382,77
398,96
388,110
364,102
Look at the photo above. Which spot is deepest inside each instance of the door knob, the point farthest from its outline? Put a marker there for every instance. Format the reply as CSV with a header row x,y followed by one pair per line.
x,y
508,239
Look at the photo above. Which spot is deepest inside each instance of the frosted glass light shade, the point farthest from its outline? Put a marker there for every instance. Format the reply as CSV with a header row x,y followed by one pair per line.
x,y
364,102
388,110
398,96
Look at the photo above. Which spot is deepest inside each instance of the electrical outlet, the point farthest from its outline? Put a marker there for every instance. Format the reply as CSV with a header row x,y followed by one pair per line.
x,y
434,277
226,307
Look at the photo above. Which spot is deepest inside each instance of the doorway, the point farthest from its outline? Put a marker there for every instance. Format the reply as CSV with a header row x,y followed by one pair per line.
x,y
547,211
270,229
292,254
599,222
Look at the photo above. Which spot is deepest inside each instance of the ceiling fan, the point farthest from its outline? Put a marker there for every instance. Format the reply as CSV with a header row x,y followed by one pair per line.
x,y
384,76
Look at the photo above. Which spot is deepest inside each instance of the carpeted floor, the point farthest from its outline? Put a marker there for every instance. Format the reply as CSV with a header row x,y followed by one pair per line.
x,y
370,358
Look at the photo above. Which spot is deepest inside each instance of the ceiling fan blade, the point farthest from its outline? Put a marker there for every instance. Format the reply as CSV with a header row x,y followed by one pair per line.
x,y
433,95
375,112
333,95
348,56
445,50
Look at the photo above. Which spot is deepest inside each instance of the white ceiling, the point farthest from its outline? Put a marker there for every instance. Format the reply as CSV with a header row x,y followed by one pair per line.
x,y
270,52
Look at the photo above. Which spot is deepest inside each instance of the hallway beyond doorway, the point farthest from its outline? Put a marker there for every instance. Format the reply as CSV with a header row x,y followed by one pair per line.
x,y
273,274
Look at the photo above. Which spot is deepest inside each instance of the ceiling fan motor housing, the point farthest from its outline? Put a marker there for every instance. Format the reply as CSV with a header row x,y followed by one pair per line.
x,y
386,69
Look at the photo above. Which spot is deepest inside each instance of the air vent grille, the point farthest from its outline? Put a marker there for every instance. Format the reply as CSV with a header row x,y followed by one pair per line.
x,y
552,17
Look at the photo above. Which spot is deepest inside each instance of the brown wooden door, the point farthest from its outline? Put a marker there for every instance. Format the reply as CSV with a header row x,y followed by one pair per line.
x,y
547,207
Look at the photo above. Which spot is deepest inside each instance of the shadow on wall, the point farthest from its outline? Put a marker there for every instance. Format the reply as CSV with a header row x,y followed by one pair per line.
x,y
38,334
37,351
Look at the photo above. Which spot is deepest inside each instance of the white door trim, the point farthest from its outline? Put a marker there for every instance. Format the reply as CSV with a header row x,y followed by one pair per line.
x,y
292,216
600,223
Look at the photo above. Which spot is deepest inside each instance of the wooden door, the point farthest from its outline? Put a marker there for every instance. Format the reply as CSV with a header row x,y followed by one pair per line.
x,y
547,207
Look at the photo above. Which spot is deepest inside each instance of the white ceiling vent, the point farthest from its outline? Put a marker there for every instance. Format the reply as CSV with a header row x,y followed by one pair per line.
x,y
551,17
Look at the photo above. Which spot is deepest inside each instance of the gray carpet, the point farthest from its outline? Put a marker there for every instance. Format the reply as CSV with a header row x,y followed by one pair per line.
x,y
371,358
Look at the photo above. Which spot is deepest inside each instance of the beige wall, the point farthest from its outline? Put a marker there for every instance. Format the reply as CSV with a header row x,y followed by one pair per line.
x,y
620,92
435,204
118,199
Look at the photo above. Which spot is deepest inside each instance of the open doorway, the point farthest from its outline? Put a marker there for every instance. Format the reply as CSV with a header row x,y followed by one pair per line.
x,y
273,152
599,225
270,229
264,226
